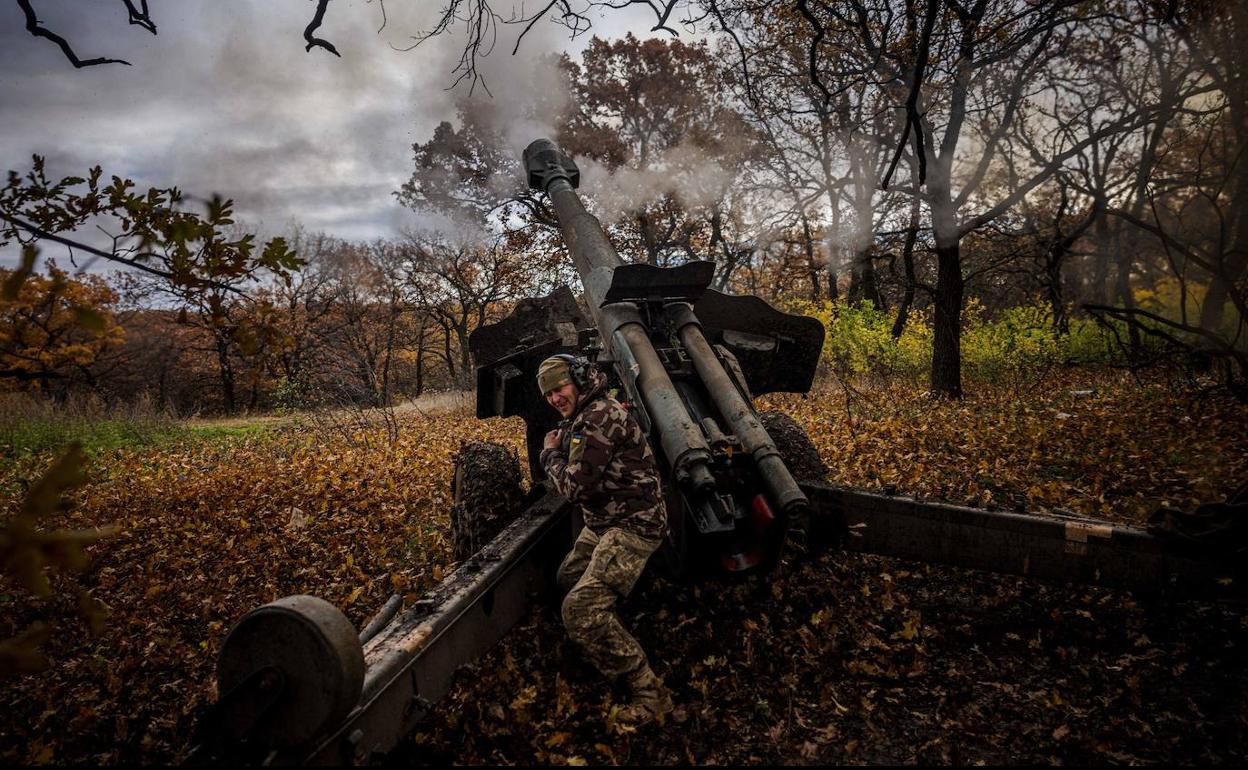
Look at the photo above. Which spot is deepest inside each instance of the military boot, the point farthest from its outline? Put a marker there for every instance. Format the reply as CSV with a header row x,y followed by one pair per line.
x,y
650,699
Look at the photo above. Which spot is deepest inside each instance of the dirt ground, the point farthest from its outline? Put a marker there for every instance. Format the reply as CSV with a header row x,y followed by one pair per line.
x,y
845,659
853,659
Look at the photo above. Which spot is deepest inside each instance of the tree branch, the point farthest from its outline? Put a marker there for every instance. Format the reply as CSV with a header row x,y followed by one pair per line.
x,y
814,50
138,17
32,26
314,25
111,256
912,101
1132,315
1126,123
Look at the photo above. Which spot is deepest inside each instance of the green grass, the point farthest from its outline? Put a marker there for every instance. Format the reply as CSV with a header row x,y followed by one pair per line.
x,y
226,433
32,426
34,435
30,437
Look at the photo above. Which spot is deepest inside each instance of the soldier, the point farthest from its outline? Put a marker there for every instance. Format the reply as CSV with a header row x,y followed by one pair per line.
x,y
598,458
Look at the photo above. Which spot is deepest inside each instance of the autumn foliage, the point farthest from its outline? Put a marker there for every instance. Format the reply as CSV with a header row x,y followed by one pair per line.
x,y
844,659
54,326
1038,210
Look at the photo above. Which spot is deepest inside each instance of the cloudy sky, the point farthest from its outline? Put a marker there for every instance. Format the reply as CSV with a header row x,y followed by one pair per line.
x,y
224,99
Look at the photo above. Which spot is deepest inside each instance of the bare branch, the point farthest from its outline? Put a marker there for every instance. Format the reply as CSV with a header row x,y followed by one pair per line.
x,y
536,17
382,5
819,30
1131,122
141,18
314,25
745,68
34,28
1133,314
912,101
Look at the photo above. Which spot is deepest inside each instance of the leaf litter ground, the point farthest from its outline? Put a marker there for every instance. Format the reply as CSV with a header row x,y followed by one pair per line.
x,y
845,659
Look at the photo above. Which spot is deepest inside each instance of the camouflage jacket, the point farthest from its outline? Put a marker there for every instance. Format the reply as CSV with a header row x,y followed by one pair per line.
x,y
604,464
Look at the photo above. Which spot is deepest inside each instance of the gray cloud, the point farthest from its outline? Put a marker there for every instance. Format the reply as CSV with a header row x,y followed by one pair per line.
x,y
225,100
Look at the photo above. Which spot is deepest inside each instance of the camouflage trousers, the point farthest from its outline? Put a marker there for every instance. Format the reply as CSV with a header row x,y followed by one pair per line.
x,y
598,572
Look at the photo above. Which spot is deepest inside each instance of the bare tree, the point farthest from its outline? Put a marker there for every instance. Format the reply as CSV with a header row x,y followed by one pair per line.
x,y
461,285
139,15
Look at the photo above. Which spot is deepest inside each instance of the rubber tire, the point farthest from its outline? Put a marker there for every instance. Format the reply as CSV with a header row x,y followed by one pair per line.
x,y
798,451
809,535
487,493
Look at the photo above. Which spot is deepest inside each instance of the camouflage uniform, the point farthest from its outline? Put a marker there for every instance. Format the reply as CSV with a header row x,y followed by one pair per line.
x,y
604,464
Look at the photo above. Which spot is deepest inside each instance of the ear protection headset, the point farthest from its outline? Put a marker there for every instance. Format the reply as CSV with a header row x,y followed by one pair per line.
x,y
578,368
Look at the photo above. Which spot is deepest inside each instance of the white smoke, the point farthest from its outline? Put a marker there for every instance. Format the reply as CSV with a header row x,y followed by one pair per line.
x,y
695,178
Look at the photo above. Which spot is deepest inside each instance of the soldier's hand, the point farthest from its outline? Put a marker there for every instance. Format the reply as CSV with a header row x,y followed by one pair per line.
x,y
552,440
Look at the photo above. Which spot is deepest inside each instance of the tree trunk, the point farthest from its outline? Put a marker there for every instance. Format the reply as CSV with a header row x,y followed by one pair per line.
x,y
465,355
1127,249
1057,298
446,353
1104,255
907,259
226,372
863,284
812,262
420,358
388,353
648,241
946,374
1233,262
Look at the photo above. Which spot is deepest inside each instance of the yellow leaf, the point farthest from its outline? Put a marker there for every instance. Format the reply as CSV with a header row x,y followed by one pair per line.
x,y
910,630
556,740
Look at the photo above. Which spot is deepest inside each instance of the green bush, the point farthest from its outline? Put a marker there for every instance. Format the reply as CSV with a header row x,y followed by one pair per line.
x,y
1016,342
858,340
1020,339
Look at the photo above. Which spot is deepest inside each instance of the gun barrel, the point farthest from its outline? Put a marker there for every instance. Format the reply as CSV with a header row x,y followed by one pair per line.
x,y
622,328
619,324
595,259
736,410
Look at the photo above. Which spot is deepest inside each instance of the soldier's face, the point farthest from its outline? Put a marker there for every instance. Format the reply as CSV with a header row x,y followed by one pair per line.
x,y
563,399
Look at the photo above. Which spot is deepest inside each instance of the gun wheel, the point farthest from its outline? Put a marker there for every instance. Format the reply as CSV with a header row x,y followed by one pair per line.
x,y
487,493
318,653
811,535
798,451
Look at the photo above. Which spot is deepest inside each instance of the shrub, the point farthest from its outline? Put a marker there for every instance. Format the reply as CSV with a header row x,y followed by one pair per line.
x,y
1014,344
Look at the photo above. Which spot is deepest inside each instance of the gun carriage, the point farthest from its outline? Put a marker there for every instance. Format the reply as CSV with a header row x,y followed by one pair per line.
x,y
298,685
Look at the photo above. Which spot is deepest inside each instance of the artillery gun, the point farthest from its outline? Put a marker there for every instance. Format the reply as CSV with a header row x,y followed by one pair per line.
x,y
686,360
298,685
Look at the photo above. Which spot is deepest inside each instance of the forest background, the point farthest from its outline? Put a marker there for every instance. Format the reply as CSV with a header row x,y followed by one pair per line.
x,y
1008,215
